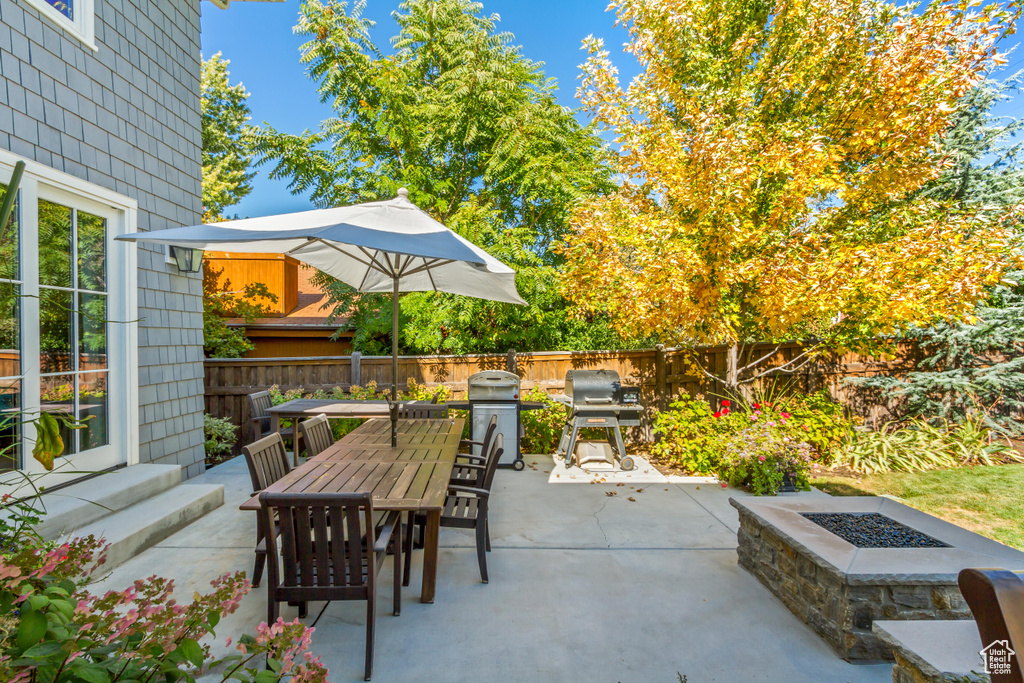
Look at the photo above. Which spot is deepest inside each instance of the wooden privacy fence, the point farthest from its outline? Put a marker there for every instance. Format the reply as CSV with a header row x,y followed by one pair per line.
x,y
660,373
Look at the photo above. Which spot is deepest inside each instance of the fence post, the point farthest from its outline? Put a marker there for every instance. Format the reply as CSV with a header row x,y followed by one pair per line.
x,y
511,362
355,362
661,376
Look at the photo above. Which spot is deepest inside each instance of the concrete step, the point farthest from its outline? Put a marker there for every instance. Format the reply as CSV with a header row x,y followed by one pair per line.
x,y
81,504
140,526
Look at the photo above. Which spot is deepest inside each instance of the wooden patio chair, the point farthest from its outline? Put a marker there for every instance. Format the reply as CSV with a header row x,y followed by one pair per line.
x,y
259,404
469,472
329,550
316,435
996,599
268,462
466,508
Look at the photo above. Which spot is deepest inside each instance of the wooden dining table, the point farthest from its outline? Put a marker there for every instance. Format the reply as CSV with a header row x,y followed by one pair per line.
x,y
411,477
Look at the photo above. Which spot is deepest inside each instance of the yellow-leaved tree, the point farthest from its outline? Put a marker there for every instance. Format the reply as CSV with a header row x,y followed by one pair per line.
x,y
773,151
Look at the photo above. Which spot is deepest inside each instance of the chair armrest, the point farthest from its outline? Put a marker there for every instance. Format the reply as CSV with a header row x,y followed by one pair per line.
x,y
385,532
455,488
475,458
470,442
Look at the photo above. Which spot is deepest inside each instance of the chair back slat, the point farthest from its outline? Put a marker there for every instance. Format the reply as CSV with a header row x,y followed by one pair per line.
x,y
290,574
423,411
305,557
267,461
316,434
321,544
497,448
355,556
313,553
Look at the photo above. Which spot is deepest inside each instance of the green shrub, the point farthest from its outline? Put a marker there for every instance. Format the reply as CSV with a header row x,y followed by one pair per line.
x,y
695,437
924,446
542,428
221,436
414,392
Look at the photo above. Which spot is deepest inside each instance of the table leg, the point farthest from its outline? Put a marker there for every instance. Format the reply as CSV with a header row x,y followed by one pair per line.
x,y
430,541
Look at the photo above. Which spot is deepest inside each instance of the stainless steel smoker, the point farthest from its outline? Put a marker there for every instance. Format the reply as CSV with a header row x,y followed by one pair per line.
x,y
596,398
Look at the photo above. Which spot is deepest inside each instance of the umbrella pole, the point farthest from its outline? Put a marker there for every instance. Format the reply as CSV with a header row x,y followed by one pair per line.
x,y
394,364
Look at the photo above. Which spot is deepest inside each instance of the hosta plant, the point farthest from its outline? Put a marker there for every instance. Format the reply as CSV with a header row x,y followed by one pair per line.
x,y
923,446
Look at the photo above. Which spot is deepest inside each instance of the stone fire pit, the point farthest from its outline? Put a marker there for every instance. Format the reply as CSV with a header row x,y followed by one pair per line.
x,y
838,588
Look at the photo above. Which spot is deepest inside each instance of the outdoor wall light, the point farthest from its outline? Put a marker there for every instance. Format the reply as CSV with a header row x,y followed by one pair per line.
x,y
188,260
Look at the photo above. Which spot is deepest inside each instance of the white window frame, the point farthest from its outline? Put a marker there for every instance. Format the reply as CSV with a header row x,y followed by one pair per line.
x,y
40,181
82,27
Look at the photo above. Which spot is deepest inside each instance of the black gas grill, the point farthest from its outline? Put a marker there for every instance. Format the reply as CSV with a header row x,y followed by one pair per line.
x,y
596,398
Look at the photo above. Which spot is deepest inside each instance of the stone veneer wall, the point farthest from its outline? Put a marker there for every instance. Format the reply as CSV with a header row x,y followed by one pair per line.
x,y
906,671
126,117
837,611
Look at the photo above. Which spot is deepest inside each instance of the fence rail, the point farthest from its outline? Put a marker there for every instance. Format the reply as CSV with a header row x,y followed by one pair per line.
x,y
661,373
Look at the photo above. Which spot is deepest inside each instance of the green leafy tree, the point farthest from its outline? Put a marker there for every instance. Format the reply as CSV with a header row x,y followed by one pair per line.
x,y
972,370
226,176
471,127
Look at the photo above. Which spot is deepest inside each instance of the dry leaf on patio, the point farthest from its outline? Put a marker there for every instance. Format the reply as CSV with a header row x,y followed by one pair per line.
x,y
632,499
639,490
610,493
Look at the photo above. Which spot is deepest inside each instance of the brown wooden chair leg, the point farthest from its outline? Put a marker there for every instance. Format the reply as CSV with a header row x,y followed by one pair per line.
x,y
303,610
257,570
408,549
371,612
487,534
481,553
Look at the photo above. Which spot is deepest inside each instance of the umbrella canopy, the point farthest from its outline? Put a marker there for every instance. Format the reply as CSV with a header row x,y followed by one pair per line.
x,y
389,246
365,245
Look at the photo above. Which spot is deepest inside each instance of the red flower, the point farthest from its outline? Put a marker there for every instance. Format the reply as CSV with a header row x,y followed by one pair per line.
x,y
718,414
724,484
757,406
725,411
785,415
726,403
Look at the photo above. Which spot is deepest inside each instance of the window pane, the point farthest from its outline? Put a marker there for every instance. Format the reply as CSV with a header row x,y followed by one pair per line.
x,y
55,329
92,331
92,252
10,241
92,409
10,424
10,330
65,7
54,244
57,397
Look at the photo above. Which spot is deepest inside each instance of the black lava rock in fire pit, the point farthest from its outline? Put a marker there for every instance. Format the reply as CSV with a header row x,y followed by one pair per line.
x,y
872,530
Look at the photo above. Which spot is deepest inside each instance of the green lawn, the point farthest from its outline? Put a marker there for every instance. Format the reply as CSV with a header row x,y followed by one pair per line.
x,y
987,500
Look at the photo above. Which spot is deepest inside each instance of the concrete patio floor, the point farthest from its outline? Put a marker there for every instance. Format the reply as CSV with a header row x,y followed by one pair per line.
x,y
584,587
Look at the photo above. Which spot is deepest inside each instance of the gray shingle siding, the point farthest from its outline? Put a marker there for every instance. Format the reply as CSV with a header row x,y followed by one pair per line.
x,y
125,117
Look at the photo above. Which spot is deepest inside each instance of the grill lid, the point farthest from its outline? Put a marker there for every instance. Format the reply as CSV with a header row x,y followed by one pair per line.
x,y
493,384
593,386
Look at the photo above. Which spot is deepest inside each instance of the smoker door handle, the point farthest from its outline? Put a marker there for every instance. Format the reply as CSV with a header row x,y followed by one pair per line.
x,y
593,401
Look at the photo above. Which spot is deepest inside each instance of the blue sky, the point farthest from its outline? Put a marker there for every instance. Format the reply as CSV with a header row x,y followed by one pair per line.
x,y
257,38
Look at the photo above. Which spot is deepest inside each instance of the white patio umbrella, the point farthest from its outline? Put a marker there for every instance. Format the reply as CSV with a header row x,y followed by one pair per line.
x,y
374,247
